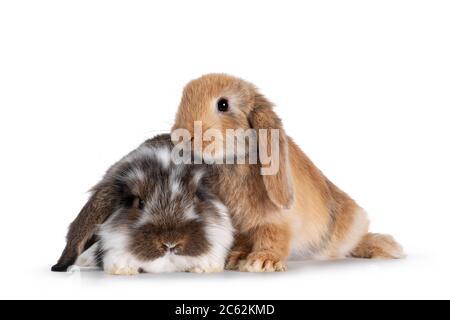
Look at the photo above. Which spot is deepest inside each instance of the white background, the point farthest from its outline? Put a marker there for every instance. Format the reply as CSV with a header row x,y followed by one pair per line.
x,y
362,86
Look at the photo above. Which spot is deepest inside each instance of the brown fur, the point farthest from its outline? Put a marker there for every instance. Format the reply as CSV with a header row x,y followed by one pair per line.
x,y
125,195
377,246
263,117
148,241
99,207
296,208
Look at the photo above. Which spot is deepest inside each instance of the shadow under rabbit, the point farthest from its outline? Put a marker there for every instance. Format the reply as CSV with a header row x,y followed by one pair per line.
x,y
299,266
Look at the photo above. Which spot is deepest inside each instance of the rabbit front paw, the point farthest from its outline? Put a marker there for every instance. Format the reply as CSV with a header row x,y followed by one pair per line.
x,y
263,262
208,269
122,270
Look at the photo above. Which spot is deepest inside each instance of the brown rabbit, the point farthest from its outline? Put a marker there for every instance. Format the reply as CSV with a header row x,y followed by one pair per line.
x,y
297,211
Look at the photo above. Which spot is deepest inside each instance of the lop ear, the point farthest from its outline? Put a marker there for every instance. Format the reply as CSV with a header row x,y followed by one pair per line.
x,y
278,183
81,233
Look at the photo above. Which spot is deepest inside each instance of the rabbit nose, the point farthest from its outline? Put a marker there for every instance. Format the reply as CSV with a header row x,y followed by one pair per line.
x,y
171,247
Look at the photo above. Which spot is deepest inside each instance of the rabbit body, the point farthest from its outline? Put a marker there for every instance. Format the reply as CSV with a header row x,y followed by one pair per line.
x,y
296,211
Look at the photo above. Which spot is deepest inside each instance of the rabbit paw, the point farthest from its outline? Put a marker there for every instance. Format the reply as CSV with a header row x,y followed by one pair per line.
x,y
262,262
235,259
122,271
209,269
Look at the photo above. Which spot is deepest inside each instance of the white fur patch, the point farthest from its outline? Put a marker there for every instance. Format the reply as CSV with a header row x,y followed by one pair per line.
x,y
359,228
222,209
164,157
190,214
135,175
220,234
89,257
175,188
198,175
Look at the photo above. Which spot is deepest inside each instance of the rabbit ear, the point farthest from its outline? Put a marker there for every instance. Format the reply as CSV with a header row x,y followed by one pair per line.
x,y
277,183
81,232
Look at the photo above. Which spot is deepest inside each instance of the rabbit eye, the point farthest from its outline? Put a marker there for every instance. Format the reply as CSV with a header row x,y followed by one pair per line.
x,y
138,203
141,204
222,105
